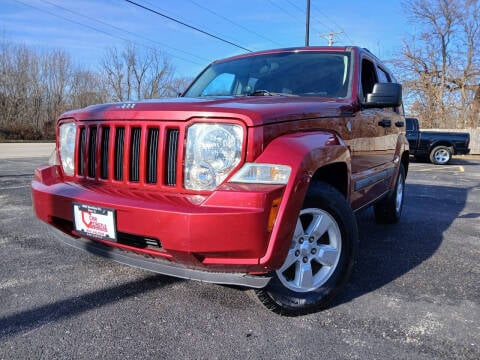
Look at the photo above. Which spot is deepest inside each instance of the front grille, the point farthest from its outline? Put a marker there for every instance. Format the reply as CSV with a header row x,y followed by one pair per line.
x,y
123,152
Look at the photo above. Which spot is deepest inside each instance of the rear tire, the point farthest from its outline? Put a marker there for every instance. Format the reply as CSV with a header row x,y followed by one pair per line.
x,y
320,258
440,155
389,210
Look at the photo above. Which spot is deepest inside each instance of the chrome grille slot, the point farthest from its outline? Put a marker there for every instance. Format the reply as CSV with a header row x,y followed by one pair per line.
x,y
171,158
81,151
92,152
104,152
152,156
119,150
135,154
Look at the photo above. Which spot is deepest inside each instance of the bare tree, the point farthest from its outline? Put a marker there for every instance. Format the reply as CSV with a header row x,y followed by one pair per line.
x,y
133,74
87,88
160,77
179,85
114,69
467,80
438,65
14,63
56,73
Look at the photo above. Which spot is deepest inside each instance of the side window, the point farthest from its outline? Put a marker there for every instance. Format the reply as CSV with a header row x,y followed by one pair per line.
x,y
221,85
383,76
369,77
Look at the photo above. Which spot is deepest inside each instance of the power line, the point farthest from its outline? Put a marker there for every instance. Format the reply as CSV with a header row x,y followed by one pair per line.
x,y
299,10
285,11
296,6
234,23
187,25
330,30
303,11
334,23
97,29
125,31
324,15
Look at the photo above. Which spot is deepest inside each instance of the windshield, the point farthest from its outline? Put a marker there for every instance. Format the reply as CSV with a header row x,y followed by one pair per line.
x,y
308,73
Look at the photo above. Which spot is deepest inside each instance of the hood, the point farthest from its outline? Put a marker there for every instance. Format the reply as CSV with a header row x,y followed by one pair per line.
x,y
253,110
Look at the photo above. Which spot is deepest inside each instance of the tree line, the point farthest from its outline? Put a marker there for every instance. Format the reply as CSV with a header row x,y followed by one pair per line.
x,y
37,86
438,65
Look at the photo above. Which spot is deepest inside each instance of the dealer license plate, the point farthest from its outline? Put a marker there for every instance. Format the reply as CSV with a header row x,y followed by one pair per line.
x,y
94,221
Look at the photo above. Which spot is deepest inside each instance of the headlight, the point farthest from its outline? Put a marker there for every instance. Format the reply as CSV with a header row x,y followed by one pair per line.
x,y
66,145
262,174
212,152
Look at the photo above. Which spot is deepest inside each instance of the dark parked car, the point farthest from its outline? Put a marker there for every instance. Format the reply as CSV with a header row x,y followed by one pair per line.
x,y
436,146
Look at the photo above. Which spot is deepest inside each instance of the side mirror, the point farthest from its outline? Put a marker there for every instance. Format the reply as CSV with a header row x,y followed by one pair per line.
x,y
384,95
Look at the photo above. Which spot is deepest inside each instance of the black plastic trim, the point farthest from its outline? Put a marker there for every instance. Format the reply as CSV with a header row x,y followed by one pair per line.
x,y
161,266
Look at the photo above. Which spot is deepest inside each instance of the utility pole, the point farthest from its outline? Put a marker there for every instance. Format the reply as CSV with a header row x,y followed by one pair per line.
x,y
307,25
330,36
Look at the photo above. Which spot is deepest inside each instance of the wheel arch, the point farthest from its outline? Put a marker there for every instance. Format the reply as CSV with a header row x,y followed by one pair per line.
x,y
445,143
313,156
334,174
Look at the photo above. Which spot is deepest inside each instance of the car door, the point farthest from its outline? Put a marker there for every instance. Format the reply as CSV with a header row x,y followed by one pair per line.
x,y
374,142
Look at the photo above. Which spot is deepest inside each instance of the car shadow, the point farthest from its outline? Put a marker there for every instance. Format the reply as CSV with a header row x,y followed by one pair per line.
x,y
461,160
386,252
456,160
28,320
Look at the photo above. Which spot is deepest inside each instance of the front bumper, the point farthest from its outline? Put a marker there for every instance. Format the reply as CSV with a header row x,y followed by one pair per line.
x,y
226,233
164,267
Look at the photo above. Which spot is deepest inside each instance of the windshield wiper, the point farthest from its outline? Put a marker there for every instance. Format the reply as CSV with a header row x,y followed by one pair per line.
x,y
262,92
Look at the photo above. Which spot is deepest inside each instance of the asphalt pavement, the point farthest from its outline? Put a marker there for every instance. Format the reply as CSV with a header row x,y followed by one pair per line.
x,y
414,293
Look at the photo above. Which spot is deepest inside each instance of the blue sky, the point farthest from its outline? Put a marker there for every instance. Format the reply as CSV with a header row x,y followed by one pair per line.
x,y
85,28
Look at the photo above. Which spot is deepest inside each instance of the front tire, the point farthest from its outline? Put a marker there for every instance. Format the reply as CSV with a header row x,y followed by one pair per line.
x,y
320,258
440,155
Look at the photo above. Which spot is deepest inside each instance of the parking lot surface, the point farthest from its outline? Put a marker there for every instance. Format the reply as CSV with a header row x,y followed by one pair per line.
x,y
414,293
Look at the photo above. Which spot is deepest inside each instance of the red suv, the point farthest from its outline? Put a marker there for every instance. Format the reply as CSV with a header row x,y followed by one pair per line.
x,y
251,178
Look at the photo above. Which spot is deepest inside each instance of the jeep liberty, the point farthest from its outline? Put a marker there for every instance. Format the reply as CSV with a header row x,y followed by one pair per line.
x,y
252,177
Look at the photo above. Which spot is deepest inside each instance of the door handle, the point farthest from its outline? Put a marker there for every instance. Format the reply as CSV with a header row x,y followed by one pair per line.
x,y
385,123
399,124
